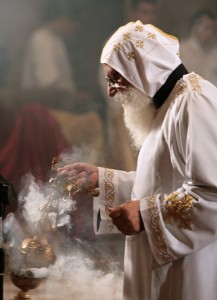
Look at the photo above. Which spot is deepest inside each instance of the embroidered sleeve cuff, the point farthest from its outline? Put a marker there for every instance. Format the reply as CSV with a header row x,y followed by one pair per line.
x,y
167,220
153,223
106,199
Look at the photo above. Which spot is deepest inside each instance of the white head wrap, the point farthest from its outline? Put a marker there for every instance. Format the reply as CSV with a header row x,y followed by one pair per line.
x,y
143,54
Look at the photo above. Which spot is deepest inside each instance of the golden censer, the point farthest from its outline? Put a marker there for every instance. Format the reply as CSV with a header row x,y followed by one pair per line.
x,y
37,256
37,251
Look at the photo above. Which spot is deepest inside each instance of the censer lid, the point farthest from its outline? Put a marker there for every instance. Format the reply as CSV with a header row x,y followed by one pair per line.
x,y
38,248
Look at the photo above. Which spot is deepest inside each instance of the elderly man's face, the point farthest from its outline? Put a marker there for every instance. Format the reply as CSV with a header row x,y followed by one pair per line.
x,y
139,112
116,82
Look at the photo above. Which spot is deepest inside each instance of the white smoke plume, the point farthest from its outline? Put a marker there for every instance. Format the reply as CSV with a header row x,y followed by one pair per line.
x,y
81,267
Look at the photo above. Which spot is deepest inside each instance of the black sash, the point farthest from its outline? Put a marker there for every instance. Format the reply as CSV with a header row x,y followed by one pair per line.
x,y
163,93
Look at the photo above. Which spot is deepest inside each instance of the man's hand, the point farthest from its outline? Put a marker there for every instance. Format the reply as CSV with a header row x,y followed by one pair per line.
x,y
82,174
127,217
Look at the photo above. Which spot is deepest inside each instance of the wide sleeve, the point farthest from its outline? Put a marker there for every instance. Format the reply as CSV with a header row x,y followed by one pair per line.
x,y
115,188
185,221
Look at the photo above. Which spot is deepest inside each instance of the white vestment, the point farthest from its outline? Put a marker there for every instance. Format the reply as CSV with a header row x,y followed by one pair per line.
x,y
46,62
167,261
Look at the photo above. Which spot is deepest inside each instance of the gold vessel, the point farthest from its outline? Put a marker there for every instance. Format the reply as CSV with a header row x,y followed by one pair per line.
x,y
37,255
25,284
37,251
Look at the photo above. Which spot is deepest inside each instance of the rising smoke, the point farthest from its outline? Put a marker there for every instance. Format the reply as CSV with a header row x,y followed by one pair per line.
x,y
81,269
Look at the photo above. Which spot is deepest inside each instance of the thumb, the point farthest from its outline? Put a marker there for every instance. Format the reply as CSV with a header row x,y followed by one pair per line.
x,y
114,212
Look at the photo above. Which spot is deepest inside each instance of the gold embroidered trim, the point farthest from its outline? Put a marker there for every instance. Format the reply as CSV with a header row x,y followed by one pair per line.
x,y
151,36
181,87
127,36
164,33
117,47
179,207
131,55
156,229
139,28
109,227
194,82
139,44
109,188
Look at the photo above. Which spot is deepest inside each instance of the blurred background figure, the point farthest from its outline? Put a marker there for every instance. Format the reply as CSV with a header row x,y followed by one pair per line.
x,y
124,156
143,10
46,114
199,50
47,64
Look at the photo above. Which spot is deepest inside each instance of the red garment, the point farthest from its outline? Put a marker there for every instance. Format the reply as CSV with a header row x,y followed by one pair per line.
x,y
29,139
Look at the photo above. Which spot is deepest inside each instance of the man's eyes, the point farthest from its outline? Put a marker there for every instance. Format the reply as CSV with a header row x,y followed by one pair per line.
x,y
116,76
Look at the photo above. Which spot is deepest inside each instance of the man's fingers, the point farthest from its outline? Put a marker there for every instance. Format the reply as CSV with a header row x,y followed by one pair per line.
x,y
114,212
76,167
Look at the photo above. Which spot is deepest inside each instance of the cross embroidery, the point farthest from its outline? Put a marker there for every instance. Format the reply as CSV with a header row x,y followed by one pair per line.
x,y
117,47
139,28
131,55
139,44
127,36
151,36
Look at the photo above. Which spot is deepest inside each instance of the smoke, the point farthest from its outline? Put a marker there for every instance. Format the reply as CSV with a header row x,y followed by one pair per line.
x,y
32,200
84,152
82,269
85,282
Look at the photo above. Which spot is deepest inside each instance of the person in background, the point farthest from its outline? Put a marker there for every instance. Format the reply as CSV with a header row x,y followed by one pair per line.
x,y
199,50
167,207
40,119
46,61
143,10
47,65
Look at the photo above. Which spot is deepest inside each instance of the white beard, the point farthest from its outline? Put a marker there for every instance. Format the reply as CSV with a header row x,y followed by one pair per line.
x,y
139,114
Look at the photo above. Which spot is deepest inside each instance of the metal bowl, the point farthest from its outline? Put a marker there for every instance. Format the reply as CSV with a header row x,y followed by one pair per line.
x,y
25,283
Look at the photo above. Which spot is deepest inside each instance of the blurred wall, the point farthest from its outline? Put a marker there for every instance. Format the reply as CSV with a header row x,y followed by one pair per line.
x,y
174,16
99,18
17,20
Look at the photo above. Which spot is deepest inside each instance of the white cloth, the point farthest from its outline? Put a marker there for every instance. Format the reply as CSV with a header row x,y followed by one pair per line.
x,y
46,62
142,54
199,60
166,261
